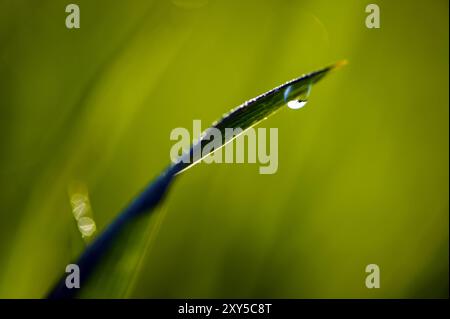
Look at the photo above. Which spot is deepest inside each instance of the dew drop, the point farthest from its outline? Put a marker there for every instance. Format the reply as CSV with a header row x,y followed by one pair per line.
x,y
299,101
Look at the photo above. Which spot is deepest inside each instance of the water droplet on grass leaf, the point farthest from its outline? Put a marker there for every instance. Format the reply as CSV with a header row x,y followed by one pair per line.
x,y
297,102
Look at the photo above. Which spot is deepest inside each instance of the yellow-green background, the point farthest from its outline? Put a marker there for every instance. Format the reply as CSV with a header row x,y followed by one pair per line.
x,y
363,168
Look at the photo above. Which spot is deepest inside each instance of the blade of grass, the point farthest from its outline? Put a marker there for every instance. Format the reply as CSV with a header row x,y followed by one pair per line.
x,y
244,116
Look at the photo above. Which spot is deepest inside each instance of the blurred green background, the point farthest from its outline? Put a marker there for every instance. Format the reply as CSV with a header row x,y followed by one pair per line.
x,y
363,169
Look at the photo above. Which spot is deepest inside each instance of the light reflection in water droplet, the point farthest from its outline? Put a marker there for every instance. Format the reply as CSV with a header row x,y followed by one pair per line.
x,y
296,104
